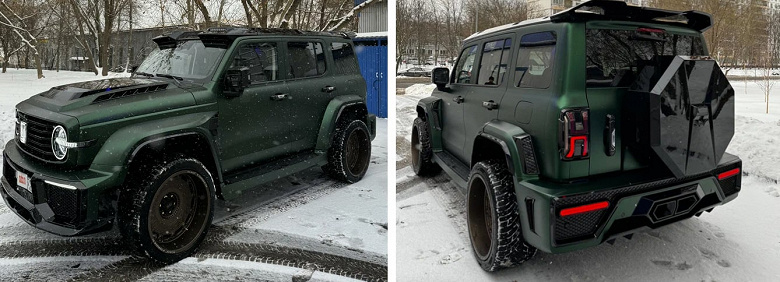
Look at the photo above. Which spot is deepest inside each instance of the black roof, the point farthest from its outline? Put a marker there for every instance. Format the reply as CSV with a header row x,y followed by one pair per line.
x,y
620,11
224,36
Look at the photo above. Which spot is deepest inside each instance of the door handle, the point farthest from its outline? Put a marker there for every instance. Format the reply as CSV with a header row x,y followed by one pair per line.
x,y
458,99
280,97
328,89
490,105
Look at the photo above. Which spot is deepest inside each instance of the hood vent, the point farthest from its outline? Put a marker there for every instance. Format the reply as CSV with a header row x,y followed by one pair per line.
x,y
124,92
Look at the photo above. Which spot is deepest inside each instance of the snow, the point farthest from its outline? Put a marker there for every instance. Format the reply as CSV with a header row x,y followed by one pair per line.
x,y
192,269
737,241
306,211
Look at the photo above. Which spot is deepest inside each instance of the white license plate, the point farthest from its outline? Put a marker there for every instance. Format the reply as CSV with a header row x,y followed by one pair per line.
x,y
22,180
23,132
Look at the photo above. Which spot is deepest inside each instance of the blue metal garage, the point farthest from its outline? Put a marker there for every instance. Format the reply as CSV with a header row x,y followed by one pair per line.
x,y
371,49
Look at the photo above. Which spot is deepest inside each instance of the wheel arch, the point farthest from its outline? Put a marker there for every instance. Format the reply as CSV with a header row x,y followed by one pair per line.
x,y
348,106
155,136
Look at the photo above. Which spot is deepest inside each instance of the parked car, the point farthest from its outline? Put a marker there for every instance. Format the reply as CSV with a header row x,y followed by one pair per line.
x,y
416,72
588,136
205,116
775,73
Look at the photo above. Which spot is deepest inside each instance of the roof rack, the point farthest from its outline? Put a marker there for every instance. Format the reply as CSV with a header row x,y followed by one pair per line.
x,y
619,10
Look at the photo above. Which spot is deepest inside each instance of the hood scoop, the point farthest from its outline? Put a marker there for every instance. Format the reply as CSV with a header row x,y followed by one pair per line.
x,y
107,89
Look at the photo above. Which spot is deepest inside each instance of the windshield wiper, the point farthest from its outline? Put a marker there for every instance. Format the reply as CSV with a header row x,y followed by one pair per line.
x,y
144,74
176,79
170,76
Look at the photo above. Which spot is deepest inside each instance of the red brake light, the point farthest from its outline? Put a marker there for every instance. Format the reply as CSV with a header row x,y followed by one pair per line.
x,y
574,133
650,30
727,174
585,208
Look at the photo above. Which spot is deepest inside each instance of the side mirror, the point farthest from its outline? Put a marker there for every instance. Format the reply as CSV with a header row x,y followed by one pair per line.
x,y
440,77
236,80
133,69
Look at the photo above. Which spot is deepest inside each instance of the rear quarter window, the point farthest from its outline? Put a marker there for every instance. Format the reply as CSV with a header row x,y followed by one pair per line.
x,y
613,57
344,59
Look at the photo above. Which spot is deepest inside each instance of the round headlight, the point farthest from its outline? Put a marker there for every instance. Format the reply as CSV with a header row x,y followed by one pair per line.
x,y
59,140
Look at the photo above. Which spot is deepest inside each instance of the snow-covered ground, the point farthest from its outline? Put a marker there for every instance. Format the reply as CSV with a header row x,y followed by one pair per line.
x,y
303,227
739,241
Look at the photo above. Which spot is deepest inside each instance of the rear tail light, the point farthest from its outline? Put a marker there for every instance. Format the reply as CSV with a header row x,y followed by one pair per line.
x,y
585,208
728,173
574,134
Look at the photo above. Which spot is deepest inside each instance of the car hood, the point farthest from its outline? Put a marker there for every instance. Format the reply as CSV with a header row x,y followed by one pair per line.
x,y
107,99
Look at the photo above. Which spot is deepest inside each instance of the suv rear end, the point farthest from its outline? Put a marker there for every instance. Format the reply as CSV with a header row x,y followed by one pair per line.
x,y
646,147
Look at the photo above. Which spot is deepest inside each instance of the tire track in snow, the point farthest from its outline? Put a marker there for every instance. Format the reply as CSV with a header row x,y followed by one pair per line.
x,y
214,246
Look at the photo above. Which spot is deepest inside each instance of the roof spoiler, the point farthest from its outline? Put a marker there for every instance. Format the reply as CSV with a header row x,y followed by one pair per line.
x,y
620,11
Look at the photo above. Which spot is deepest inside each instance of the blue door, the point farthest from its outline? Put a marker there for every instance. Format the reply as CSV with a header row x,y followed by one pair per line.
x,y
372,57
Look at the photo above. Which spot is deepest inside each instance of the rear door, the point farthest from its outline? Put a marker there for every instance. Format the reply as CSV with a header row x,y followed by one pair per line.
x,y
482,103
311,87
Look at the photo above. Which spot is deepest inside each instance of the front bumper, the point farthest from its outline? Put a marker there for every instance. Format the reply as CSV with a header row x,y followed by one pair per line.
x,y
635,203
66,203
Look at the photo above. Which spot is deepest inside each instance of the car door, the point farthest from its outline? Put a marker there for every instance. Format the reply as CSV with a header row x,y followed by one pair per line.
x,y
453,136
482,103
311,87
254,127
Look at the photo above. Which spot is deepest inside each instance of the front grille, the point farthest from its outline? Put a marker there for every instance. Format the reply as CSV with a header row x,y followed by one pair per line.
x,y
63,202
38,137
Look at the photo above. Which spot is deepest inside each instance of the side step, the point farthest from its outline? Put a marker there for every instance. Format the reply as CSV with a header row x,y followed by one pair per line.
x,y
458,170
291,164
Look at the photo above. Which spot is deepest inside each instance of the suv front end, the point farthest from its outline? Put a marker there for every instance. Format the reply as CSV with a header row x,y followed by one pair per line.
x,y
36,187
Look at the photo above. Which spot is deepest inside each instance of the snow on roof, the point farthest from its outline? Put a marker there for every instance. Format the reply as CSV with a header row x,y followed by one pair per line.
x,y
372,34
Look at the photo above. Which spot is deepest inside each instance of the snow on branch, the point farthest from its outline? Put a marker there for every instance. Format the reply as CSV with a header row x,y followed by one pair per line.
x,y
351,14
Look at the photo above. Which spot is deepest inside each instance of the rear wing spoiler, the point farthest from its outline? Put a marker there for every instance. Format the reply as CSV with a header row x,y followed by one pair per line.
x,y
620,11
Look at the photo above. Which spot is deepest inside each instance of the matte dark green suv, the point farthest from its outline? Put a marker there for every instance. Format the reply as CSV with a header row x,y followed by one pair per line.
x,y
573,130
207,115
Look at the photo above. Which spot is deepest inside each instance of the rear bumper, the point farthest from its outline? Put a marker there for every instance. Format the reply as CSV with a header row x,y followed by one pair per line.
x,y
641,204
65,203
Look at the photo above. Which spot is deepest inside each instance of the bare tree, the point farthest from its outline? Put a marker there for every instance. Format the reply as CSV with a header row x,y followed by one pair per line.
x,y
12,20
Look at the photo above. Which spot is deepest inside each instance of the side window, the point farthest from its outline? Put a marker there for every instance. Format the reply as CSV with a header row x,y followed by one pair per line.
x,y
535,60
494,61
344,58
306,59
261,59
466,65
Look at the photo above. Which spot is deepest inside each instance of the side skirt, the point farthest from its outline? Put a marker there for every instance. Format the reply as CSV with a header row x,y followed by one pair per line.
x,y
253,176
457,170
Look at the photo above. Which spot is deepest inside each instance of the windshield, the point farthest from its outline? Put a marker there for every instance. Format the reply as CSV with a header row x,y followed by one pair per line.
x,y
189,60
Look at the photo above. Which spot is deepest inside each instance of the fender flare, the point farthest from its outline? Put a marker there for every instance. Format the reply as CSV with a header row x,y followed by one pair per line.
x,y
333,112
143,134
509,137
431,109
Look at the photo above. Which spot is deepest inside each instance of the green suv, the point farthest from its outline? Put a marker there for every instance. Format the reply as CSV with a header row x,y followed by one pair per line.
x,y
576,129
205,116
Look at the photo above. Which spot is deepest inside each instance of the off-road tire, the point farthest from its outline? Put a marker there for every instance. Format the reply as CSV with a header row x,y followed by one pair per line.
x,y
497,240
421,151
139,194
341,164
